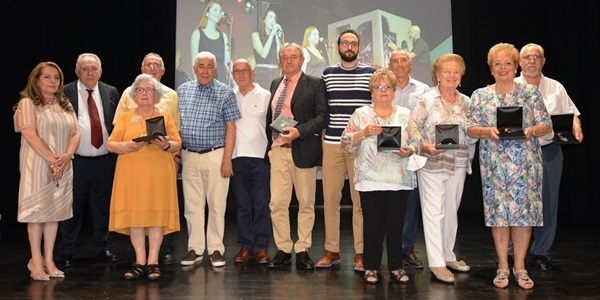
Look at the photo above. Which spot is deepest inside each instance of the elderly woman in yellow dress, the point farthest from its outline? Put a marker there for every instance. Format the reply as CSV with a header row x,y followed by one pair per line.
x,y
144,196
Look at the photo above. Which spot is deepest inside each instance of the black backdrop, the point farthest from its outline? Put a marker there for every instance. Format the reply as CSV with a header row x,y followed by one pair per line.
x,y
121,32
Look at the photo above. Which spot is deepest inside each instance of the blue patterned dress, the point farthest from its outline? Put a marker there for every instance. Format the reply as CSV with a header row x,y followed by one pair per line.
x,y
511,170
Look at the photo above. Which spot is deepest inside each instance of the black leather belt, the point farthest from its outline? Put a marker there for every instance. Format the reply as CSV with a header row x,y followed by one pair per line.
x,y
203,150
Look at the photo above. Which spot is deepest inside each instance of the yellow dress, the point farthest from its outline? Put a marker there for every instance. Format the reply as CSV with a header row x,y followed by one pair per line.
x,y
145,184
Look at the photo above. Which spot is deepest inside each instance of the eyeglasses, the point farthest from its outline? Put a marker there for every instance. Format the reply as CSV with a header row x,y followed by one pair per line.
x,y
145,90
241,72
152,65
348,44
382,88
498,65
530,57
92,69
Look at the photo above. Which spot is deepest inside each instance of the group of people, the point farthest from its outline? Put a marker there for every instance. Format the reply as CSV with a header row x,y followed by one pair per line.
x,y
220,136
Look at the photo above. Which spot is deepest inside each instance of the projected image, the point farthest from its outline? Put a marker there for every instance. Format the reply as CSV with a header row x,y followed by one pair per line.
x,y
256,30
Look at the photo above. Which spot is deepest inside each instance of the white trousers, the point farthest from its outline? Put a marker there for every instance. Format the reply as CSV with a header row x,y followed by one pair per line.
x,y
440,195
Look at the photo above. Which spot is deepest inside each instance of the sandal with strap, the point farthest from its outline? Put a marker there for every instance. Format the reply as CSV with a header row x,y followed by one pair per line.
x,y
501,279
523,279
136,272
399,276
153,272
371,276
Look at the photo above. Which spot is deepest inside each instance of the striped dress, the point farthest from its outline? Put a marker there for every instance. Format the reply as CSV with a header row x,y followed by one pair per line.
x,y
347,90
40,200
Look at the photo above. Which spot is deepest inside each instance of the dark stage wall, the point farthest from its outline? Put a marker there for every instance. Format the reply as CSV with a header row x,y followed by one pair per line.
x,y
121,32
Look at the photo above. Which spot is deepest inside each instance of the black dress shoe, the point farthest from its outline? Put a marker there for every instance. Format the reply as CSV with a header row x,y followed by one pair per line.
x,y
66,260
541,263
281,259
303,261
107,256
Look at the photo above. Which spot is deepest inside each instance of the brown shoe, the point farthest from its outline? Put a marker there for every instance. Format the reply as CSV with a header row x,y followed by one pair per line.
x,y
358,262
243,256
328,260
411,260
262,257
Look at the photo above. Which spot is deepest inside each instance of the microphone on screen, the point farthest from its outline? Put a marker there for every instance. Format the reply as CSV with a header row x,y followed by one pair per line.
x,y
323,40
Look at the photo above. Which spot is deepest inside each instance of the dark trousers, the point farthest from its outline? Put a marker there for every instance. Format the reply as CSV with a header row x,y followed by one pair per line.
x,y
412,219
251,189
92,186
383,218
543,237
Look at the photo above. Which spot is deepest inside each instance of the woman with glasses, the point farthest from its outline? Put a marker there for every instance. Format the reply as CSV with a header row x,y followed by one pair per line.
x,y
381,176
144,195
442,177
511,169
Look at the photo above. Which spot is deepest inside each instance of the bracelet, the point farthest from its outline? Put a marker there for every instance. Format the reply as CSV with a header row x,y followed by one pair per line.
x,y
123,147
168,147
72,156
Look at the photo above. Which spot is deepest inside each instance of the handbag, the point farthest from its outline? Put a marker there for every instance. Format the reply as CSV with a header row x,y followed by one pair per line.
x,y
446,136
155,127
389,138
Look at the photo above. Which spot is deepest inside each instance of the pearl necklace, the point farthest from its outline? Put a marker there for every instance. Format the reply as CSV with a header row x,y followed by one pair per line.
x,y
51,102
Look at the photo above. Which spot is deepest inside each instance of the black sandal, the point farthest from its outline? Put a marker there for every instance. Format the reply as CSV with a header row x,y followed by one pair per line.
x,y
153,272
399,276
136,272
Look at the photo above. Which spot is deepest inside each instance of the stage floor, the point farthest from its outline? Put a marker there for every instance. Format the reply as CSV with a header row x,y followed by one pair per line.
x,y
576,273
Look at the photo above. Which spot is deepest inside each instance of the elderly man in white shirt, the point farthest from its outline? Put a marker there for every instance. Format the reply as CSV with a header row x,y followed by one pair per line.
x,y
557,101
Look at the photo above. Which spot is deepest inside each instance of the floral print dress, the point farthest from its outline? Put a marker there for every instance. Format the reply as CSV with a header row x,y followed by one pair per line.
x,y
511,170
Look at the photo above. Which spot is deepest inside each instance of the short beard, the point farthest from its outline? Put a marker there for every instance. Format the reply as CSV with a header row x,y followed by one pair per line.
x,y
531,73
348,59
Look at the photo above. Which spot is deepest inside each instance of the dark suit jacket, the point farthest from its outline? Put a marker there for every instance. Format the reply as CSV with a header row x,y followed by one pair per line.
x,y
110,98
309,106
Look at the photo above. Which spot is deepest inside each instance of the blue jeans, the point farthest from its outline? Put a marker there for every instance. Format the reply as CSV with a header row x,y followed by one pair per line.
x,y
251,188
412,219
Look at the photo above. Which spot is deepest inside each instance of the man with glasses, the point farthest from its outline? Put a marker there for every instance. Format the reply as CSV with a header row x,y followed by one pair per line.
x,y
557,101
152,64
408,91
251,177
347,85
93,166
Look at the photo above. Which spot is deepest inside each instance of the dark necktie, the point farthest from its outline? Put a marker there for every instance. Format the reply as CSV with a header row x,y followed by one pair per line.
x,y
279,105
96,126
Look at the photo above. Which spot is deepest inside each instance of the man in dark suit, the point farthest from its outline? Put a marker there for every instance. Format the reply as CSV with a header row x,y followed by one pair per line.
x,y
294,154
93,166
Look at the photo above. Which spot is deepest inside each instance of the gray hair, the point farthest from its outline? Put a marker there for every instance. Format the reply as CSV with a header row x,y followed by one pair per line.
x,y
92,55
155,84
532,45
206,54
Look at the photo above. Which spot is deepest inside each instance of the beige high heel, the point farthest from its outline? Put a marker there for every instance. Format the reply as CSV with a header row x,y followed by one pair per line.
x,y
56,273
37,277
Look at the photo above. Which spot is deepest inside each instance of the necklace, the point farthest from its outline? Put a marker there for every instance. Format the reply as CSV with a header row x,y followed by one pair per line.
x,y
51,102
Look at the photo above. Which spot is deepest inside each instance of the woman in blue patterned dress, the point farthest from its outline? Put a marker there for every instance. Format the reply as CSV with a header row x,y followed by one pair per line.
x,y
511,170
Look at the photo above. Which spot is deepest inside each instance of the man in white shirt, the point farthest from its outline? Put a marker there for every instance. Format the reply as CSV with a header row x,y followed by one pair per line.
x,y
557,101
